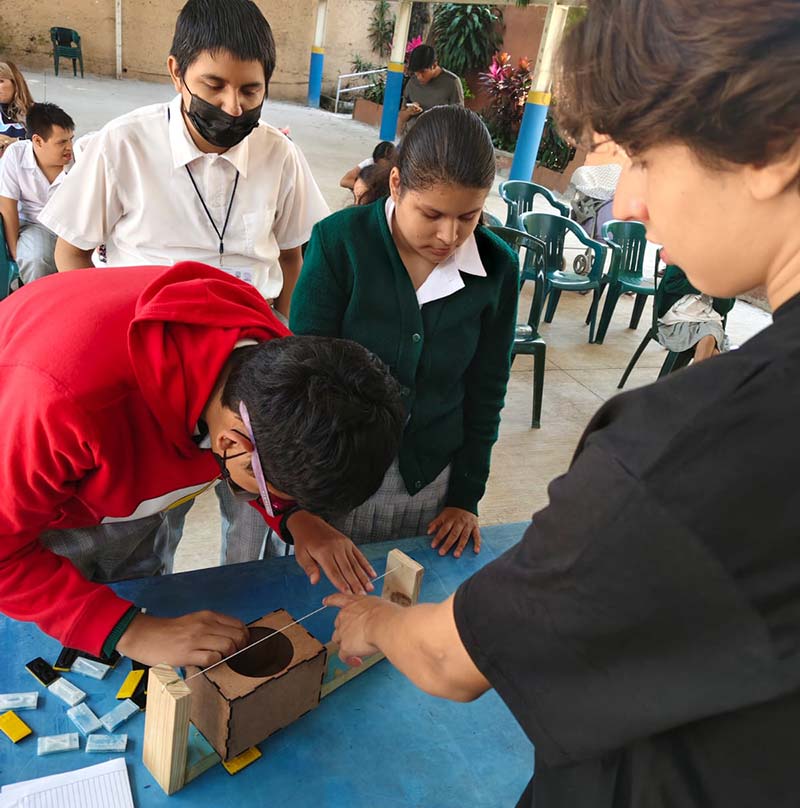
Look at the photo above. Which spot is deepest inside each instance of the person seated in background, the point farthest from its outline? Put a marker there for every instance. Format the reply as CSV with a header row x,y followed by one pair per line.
x,y
429,85
15,101
689,319
382,155
29,173
372,184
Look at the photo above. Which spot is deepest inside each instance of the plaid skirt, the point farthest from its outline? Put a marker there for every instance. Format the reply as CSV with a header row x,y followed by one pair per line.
x,y
392,513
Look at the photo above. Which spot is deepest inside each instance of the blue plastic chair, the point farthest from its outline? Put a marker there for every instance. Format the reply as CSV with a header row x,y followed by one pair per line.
x,y
552,230
9,271
628,241
519,197
526,337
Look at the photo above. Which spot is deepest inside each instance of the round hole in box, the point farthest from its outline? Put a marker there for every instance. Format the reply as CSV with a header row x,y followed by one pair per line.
x,y
265,659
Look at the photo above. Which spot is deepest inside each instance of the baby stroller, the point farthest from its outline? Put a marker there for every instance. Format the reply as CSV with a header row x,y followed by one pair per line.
x,y
590,195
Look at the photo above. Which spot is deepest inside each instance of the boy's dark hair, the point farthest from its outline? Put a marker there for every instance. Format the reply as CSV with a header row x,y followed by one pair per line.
x,y
236,26
383,151
449,145
721,78
326,415
422,57
42,117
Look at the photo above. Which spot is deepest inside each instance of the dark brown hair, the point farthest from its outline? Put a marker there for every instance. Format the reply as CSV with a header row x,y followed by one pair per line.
x,y
449,145
720,76
376,179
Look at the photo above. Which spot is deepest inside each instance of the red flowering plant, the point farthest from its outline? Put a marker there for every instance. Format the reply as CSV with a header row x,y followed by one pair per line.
x,y
507,87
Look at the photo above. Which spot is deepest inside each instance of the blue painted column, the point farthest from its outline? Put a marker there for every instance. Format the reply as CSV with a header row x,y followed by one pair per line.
x,y
530,136
315,75
391,100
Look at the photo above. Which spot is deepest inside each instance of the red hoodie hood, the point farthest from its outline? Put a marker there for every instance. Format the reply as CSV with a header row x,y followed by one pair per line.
x,y
188,321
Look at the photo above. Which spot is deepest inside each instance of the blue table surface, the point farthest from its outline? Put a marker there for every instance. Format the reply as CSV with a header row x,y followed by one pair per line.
x,y
376,741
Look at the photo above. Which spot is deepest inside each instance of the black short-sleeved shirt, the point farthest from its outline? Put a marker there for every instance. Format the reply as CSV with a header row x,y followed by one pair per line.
x,y
646,630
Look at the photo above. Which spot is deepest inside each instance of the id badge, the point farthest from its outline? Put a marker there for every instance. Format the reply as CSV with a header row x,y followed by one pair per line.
x,y
242,273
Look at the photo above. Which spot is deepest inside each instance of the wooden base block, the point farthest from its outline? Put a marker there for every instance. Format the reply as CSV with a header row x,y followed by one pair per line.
x,y
166,728
402,586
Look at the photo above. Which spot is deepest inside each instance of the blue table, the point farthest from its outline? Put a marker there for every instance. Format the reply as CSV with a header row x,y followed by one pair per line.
x,y
376,741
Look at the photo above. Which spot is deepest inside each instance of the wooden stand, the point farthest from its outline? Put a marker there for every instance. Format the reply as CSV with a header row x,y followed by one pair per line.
x,y
400,586
166,728
234,706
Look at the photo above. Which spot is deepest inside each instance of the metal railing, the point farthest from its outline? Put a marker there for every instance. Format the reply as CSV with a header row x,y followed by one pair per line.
x,y
341,90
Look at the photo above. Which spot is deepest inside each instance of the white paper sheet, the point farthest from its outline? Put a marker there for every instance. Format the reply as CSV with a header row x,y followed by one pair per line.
x,y
103,786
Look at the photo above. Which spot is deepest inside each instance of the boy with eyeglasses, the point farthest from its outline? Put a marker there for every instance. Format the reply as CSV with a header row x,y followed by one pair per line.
x,y
126,394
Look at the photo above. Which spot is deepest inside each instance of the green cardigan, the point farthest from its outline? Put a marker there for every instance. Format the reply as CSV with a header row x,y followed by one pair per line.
x,y
452,357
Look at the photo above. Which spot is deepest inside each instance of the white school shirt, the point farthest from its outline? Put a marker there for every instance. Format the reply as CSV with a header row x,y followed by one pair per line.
x,y
23,180
445,279
130,190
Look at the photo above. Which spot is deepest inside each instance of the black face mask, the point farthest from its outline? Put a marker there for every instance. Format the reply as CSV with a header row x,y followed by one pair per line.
x,y
217,126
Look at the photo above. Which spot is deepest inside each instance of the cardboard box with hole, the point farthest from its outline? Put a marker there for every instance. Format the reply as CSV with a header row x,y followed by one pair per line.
x,y
245,700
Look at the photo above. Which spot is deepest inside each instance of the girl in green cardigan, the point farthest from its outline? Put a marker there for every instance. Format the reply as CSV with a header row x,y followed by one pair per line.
x,y
414,278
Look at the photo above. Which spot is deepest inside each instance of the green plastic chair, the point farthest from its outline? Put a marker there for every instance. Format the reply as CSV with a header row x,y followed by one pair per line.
x,y
66,43
627,241
9,271
519,196
526,337
675,359
552,230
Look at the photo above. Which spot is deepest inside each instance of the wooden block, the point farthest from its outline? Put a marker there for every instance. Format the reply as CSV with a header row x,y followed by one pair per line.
x,y
166,728
402,586
403,583
241,702
200,756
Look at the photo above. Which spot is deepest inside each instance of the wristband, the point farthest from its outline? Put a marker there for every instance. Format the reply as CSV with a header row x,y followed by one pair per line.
x,y
286,534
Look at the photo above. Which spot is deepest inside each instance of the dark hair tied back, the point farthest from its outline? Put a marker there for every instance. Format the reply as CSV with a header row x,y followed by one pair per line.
x,y
447,145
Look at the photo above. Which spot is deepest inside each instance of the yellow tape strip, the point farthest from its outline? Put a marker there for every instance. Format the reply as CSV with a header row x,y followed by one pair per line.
x,y
396,67
538,97
317,49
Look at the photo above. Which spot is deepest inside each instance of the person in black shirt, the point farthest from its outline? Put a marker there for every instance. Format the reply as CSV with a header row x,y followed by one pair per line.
x,y
645,631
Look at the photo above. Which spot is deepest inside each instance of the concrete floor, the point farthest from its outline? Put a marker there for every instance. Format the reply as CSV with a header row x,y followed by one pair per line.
x,y
579,376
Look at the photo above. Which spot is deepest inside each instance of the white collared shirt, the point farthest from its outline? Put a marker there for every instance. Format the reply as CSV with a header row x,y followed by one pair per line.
x,y
23,180
445,279
130,190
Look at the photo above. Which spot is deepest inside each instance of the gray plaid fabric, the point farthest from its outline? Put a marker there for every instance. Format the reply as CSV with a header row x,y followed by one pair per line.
x,y
121,550
392,513
243,528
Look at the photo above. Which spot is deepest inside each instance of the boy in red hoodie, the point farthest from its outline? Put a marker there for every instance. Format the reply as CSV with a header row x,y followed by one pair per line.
x,y
126,394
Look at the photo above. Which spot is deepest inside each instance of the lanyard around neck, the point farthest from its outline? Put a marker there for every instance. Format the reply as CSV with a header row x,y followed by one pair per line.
x,y
220,233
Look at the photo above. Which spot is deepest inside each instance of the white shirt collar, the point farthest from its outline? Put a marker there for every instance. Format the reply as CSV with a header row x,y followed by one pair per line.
x,y
445,279
29,163
183,147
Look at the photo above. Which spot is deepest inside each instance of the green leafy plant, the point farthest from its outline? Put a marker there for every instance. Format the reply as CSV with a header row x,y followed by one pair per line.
x,y
466,36
381,28
507,87
377,91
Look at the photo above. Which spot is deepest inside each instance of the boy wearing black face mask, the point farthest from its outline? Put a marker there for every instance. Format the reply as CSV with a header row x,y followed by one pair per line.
x,y
200,178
